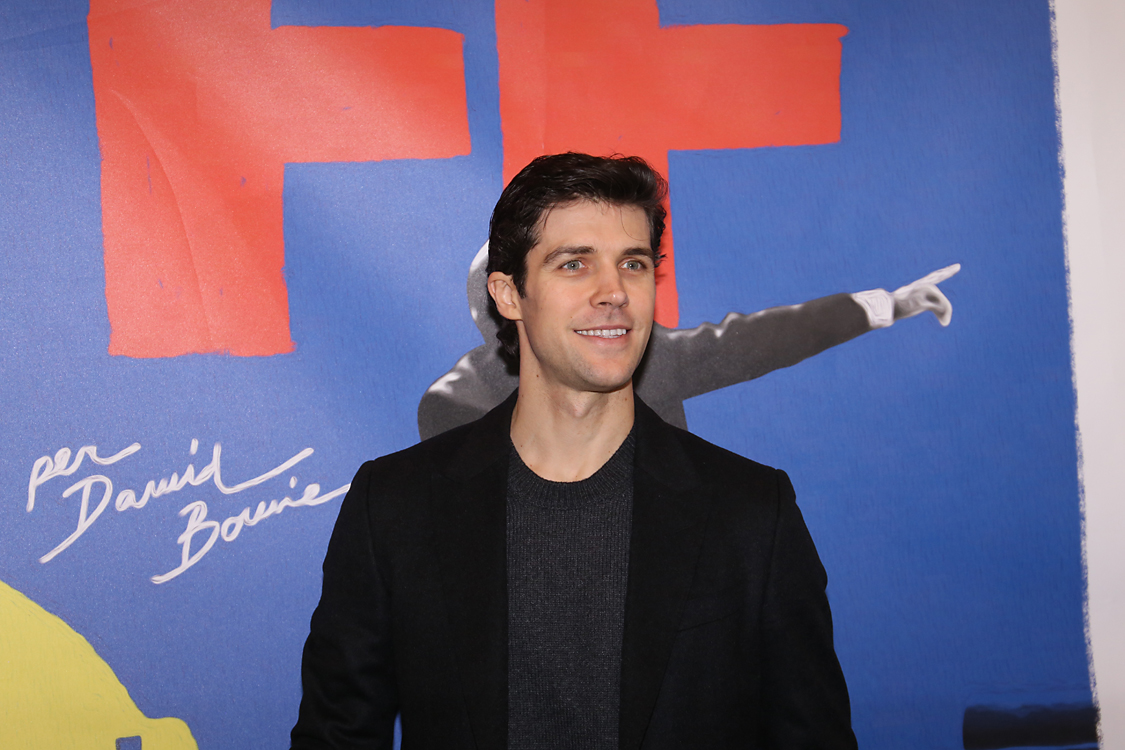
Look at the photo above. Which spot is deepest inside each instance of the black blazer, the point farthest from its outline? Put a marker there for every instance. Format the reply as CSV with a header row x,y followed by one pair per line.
x,y
727,639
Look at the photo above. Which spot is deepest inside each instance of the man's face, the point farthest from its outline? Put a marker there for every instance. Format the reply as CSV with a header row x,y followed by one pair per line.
x,y
589,298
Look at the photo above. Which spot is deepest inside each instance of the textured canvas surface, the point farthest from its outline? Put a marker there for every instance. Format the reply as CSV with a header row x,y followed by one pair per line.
x,y
258,339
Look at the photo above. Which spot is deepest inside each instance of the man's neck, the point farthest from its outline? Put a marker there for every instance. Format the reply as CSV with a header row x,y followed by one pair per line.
x,y
566,437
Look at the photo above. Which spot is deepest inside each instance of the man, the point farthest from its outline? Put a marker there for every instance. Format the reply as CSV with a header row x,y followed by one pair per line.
x,y
570,571
681,363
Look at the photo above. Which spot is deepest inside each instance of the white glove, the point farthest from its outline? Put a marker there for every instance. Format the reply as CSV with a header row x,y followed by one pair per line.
x,y
924,294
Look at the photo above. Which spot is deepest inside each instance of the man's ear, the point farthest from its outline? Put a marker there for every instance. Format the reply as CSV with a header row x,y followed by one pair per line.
x,y
505,295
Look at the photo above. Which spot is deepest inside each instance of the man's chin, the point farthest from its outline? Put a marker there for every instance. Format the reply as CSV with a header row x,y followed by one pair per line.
x,y
614,387
608,382
591,375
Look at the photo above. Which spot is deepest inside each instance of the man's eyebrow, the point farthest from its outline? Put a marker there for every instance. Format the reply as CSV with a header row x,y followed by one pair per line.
x,y
641,250
567,250
558,252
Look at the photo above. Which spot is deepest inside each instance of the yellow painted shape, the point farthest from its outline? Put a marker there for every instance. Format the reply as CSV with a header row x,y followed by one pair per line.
x,y
56,692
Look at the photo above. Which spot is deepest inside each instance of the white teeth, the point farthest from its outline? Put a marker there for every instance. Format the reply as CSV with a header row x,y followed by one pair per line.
x,y
605,333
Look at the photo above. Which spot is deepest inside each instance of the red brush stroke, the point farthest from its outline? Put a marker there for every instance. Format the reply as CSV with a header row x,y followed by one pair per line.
x,y
601,76
199,106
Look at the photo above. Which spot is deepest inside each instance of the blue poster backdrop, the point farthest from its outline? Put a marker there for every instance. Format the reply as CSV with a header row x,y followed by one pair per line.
x,y
936,467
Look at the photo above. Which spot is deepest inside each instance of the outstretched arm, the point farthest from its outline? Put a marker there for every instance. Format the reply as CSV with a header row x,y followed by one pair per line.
x,y
689,362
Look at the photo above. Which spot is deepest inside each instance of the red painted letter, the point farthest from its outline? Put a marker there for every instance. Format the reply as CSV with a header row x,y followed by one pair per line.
x,y
199,106
603,77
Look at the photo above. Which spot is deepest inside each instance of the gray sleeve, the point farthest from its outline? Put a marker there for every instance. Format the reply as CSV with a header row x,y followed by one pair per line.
x,y
683,363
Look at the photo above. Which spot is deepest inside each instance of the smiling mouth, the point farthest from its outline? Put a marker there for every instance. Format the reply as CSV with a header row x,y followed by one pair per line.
x,y
605,333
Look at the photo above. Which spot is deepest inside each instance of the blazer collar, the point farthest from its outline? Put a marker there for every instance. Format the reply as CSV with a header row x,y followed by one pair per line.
x,y
488,440
658,450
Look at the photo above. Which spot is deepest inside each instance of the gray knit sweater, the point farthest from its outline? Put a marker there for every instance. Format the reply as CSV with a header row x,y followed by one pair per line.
x,y
568,564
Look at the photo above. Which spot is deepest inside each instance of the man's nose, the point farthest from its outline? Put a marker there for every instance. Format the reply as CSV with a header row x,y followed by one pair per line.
x,y
610,291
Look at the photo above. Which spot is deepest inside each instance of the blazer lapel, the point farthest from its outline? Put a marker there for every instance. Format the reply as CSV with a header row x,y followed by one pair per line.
x,y
470,517
669,516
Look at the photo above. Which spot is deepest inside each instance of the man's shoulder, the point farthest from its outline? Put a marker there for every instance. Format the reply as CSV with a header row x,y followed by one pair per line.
x,y
394,490
427,456
710,463
744,501
458,453
718,456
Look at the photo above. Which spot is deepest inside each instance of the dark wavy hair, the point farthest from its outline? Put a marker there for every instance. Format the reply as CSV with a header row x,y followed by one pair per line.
x,y
557,180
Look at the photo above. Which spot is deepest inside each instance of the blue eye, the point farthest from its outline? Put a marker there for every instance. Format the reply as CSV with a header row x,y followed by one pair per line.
x,y
634,265
572,265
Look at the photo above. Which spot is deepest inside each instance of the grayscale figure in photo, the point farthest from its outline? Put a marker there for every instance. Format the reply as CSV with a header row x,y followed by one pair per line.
x,y
684,362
